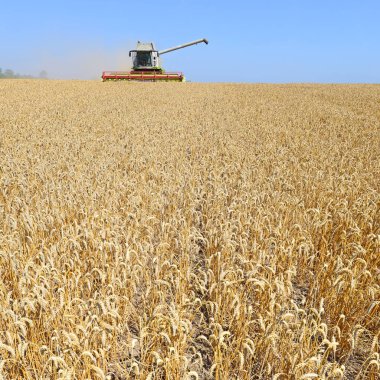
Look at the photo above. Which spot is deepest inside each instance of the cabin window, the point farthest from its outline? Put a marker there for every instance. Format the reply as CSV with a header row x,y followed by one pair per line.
x,y
144,59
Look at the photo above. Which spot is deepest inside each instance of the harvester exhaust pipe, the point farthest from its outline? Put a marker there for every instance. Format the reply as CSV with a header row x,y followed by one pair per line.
x,y
183,46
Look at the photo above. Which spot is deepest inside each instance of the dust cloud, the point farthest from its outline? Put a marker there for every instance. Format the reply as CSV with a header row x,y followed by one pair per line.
x,y
85,62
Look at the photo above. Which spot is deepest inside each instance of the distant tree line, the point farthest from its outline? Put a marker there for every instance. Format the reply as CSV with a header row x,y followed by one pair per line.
x,y
10,74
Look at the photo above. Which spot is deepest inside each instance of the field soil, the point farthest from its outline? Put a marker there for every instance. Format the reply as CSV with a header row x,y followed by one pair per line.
x,y
189,231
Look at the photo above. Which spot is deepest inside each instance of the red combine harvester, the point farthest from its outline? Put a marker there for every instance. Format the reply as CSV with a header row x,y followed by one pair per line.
x,y
146,65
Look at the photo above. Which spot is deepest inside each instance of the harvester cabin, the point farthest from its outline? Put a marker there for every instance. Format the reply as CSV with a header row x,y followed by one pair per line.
x,y
144,56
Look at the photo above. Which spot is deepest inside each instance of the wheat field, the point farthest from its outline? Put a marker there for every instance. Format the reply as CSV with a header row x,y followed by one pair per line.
x,y
189,231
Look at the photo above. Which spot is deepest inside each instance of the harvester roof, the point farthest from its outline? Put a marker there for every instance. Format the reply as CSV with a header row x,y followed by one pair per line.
x,y
145,46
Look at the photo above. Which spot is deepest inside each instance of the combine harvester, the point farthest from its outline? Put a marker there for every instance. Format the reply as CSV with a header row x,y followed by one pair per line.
x,y
146,65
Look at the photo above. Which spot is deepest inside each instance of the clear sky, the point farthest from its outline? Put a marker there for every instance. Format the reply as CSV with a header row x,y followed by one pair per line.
x,y
250,41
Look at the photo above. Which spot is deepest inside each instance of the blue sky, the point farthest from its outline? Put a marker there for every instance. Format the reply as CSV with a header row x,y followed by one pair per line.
x,y
250,41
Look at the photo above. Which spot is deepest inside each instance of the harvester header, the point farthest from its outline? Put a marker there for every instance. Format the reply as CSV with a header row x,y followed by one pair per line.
x,y
146,64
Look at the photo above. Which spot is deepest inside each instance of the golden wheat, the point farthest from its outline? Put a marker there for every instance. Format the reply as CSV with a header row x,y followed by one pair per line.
x,y
196,231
